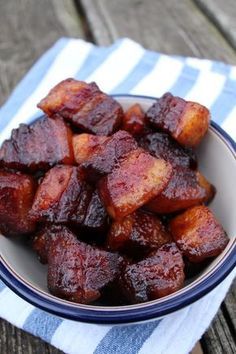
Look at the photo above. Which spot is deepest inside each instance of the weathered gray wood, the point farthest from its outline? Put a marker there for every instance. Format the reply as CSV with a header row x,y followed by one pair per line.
x,y
220,337
169,26
229,307
15,341
27,29
223,15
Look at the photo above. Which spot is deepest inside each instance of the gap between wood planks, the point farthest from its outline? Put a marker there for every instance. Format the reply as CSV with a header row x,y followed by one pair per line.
x,y
172,27
222,13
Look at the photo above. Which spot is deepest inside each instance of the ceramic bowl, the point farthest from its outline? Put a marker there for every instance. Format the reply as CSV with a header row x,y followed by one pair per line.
x,y
22,272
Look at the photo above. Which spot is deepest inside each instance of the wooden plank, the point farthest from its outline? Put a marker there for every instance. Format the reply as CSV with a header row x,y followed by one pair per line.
x,y
229,307
15,341
220,337
223,14
28,28
172,27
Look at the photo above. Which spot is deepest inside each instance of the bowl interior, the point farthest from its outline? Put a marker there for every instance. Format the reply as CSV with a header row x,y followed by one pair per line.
x,y
216,162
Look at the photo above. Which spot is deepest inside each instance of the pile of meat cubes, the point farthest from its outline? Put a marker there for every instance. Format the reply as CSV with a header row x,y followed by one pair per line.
x,y
112,201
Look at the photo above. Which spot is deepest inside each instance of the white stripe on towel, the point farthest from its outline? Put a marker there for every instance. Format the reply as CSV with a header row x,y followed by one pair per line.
x,y
80,337
117,66
14,308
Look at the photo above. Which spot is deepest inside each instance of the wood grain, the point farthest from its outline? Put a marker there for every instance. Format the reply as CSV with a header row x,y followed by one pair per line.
x,y
16,341
223,14
220,337
28,28
229,307
170,26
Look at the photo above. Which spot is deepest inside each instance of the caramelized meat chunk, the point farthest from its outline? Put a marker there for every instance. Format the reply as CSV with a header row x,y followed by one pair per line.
x,y
77,271
96,218
16,198
41,241
187,122
198,234
85,106
107,155
159,275
133,182
162,146
186,188
137,234
85,146
40,245
134,120
61,197
38,146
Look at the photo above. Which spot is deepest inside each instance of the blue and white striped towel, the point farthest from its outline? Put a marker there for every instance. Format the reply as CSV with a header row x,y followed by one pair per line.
x,y
124,67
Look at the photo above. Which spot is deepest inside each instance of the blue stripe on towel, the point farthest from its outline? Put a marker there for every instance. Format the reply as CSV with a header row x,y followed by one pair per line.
x,y
2,286
126,339
95,58
220,68
30,82
42,324
185,82
225,102
143,68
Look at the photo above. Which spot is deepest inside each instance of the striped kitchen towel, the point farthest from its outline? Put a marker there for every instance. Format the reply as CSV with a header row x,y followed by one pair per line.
x,y
124,67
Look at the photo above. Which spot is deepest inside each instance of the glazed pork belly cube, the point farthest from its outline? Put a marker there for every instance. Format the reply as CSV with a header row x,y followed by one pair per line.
x,y
107,155
16,197
79,272
85,106
160,274
186,188
41,241
96,218
138,178
198,234
85,145
187,122
134,120
61,197
38,146
162,146
137,234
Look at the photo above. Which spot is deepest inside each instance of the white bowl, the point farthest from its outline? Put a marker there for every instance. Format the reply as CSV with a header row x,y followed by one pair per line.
x,y
22,272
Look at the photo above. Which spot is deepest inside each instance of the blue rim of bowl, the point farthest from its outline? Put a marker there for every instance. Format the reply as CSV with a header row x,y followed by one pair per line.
x,y
133,313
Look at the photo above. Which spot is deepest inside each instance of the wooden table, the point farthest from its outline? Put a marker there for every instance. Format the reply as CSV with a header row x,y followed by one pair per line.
x,y
201,28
